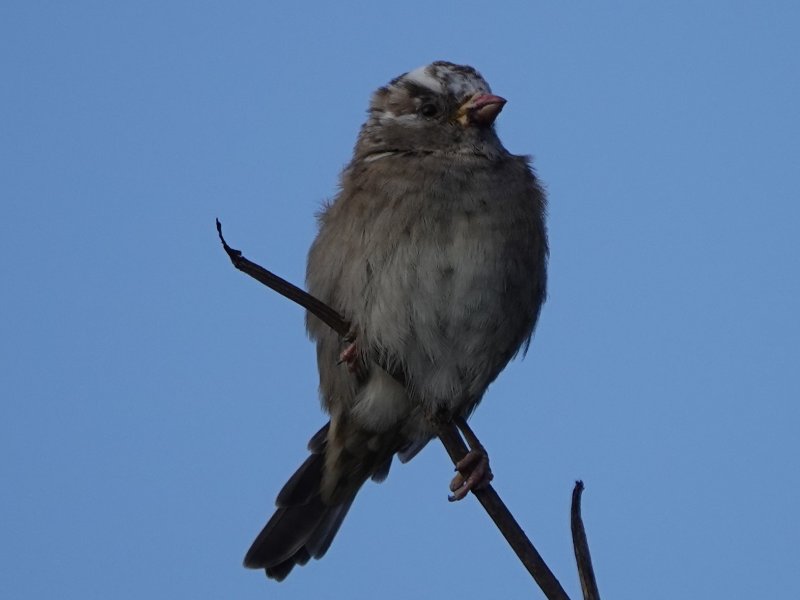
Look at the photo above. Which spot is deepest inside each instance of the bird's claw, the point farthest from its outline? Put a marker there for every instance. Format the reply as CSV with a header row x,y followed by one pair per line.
x,y
351,356
474,473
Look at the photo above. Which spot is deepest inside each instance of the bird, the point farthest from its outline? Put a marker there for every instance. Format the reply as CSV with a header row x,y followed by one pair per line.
x,y
435,250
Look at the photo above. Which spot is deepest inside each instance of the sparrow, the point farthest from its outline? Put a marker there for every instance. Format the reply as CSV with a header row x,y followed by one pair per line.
x,y
435,250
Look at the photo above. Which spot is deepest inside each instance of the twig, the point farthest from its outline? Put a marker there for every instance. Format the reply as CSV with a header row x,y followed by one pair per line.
x,y
505,521
325,313
581,546
450,438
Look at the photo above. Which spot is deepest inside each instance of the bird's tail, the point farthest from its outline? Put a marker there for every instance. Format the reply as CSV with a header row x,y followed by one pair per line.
x,y
307,519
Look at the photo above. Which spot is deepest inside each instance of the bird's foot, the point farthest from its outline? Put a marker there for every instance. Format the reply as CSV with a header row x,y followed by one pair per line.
x,y
474,473
351,356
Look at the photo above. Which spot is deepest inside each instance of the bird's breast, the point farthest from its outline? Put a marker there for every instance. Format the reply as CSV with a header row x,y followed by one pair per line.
x,y
448,257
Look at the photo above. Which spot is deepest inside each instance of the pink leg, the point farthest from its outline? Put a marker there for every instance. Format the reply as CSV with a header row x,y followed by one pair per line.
x,y
474,472
351,357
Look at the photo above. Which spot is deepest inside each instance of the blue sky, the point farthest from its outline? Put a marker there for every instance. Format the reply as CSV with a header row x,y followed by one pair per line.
x,y
155,400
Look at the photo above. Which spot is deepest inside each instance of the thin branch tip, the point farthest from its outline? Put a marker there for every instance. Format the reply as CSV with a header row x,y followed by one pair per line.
x,y
578,490
233,254
580,544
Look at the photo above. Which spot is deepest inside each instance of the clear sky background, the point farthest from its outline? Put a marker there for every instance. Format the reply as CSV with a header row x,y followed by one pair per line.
x,y
154,400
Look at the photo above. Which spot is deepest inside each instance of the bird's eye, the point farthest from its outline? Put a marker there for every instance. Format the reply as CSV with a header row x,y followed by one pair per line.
x,y
428,110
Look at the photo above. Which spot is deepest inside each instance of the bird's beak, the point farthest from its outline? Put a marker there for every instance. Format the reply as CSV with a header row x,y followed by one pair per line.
x,y
481,110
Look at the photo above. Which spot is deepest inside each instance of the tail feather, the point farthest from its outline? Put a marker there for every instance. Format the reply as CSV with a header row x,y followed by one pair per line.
x,y
316,445
303,526
285,533
319,543
316,546
313,503
281,570
411,449
304,484
382,472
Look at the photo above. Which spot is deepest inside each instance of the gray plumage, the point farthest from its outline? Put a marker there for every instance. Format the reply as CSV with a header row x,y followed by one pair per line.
x,y
435,249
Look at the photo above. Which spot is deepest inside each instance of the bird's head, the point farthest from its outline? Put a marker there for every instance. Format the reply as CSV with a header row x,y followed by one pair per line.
x,y
439,107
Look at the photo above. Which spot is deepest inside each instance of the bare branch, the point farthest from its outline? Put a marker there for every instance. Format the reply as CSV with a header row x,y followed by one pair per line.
x,y
505,521
321,310
581,546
